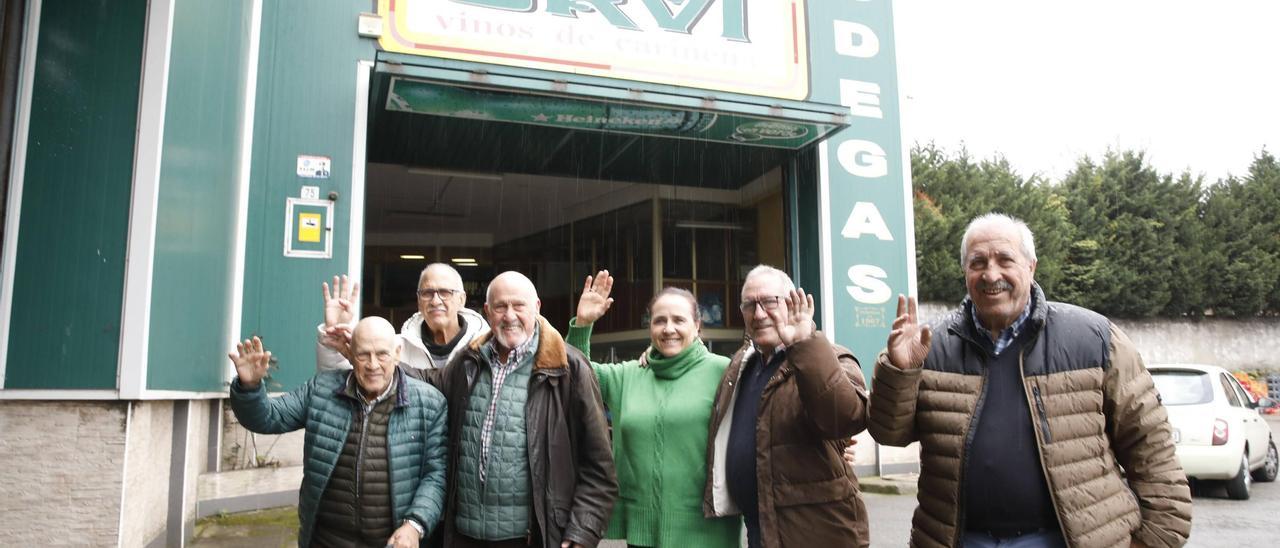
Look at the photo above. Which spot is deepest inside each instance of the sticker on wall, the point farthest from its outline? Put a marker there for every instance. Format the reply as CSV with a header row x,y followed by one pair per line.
x,y
308,228
310,193
313,167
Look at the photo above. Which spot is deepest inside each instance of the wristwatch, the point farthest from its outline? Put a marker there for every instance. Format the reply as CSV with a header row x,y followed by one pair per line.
x,y
422,531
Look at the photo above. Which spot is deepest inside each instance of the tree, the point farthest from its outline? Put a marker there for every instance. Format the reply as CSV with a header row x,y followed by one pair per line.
x,y
1148,236
1244,252
951,191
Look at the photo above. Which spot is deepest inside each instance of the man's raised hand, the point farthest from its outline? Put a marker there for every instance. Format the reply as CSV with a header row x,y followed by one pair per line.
x,y
798,324
251,362
595,300
340,304
908,341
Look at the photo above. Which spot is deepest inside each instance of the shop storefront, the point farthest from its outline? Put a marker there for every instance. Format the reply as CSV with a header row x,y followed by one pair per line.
x,y
185,174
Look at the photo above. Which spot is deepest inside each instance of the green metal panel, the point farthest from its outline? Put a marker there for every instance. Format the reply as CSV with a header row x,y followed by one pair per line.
x,y
196,207
69,268
803,226
852,51
305,105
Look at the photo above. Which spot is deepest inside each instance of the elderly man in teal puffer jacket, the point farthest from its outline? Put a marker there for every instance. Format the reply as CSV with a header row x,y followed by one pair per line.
x,y
374,471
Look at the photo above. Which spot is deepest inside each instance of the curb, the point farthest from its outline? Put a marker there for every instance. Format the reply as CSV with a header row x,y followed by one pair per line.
x,y
890,484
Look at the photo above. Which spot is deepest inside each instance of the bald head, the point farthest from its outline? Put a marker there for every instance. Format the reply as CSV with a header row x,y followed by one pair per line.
x,y
511,306
375,350
373,328
512,282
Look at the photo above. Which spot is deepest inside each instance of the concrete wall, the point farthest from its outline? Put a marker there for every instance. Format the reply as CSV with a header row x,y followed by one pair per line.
x,y
146,473
1230,343
60,457
239,446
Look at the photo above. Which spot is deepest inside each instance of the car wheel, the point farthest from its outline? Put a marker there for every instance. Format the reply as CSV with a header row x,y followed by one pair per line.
x,y
1238,487
1268,471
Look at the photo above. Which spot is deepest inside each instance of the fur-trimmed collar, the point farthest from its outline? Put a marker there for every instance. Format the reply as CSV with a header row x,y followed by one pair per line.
x,y
550,354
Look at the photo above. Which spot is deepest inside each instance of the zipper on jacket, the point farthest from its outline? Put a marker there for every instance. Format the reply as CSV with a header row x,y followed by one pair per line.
x,y
1044,418
964,458
1044,470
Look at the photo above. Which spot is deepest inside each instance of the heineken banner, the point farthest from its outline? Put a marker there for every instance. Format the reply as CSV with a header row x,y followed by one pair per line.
x,y
744,46
868,242
421,97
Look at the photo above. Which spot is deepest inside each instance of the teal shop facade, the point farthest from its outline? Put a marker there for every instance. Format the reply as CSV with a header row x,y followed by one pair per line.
x,y
183,174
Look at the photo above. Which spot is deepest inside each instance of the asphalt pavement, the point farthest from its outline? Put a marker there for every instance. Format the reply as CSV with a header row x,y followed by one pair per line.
x,y
1215,519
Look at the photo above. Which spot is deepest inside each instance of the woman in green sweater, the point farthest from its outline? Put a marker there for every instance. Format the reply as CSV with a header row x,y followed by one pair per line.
x,y
660,414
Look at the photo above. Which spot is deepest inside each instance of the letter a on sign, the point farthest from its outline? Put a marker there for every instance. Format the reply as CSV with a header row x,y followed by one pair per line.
x,y
866,219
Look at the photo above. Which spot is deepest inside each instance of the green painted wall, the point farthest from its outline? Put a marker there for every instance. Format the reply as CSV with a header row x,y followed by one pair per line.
x,y
196,207
305,105
69,268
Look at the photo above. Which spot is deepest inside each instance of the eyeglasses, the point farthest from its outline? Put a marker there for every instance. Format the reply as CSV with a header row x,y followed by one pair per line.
x,y
428,293
768,303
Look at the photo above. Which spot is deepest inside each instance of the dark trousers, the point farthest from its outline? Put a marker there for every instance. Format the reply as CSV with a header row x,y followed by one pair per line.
x,y
462,541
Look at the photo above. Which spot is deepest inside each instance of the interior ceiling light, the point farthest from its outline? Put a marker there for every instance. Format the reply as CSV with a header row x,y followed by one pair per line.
x,y
455,173
463,260
709,225
413,257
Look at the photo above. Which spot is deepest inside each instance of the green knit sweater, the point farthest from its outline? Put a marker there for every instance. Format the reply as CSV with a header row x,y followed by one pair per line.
x,y
660,416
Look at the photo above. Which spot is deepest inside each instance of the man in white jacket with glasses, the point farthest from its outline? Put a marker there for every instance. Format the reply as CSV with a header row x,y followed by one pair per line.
x,y
442,326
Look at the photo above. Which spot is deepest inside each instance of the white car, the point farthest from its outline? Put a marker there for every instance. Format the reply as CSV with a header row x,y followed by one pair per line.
x,y
1216,425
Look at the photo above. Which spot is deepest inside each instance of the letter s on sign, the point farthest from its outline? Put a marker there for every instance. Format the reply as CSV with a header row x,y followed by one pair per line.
x,y
868,284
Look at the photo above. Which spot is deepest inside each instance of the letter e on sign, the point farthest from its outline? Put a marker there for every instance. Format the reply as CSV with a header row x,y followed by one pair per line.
x,y
862,98
868,284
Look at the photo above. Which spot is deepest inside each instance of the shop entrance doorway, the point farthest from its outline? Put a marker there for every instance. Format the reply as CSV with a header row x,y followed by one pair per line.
x,y
557,188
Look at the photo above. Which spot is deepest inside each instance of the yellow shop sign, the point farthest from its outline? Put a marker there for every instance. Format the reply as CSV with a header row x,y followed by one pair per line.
x,y
756,47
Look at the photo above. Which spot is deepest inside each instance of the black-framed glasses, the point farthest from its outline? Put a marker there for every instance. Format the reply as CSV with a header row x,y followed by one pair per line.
x,y
768,303
428,293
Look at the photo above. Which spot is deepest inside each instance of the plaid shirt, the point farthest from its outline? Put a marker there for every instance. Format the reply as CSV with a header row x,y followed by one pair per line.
x,y
499,370
1008,334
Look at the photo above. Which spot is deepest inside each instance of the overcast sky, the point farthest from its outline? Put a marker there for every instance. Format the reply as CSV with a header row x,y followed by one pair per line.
x,y
1196,84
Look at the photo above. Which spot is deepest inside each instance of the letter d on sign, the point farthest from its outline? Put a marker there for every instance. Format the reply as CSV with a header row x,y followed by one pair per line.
x,y
868,284
856,40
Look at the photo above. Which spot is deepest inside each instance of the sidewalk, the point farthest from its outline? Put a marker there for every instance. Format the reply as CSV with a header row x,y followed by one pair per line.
x,y
276,527
890,484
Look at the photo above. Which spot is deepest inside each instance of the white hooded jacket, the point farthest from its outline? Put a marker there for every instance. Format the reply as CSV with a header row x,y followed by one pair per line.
x,y
415,351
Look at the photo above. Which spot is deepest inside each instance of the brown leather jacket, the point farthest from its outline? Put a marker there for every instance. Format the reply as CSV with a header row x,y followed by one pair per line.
x,y
809,409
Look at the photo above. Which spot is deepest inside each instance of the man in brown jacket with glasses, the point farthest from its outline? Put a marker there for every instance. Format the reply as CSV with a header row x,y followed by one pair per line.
x,y
784,411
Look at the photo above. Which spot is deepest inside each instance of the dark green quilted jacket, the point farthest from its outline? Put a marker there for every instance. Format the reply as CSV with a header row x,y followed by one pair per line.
x,y
416,441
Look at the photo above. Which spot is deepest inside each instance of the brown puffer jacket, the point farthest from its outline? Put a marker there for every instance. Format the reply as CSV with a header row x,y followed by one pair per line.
x,y
1097,411
809,408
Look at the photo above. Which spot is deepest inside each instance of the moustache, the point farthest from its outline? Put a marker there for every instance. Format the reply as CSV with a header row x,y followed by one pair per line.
x,y
998,285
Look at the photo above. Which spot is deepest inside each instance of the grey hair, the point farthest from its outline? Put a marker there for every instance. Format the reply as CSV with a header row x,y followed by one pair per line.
x,y
989,219
453,272
787,284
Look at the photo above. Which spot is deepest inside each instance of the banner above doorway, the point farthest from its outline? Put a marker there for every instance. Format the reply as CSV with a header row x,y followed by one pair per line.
x,y
422,97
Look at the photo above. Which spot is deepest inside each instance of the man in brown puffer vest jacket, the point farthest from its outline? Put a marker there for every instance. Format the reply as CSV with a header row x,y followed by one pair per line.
x,y
1037,421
